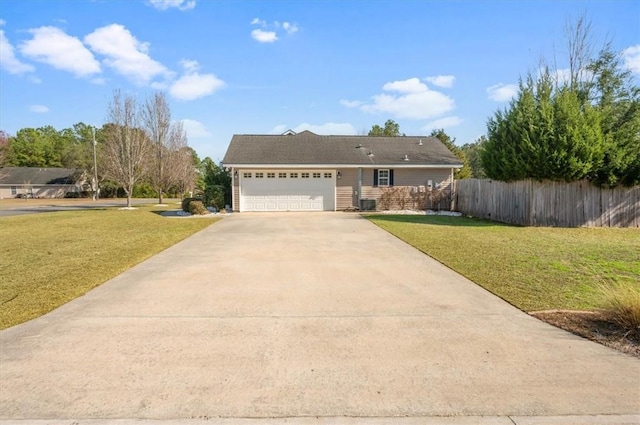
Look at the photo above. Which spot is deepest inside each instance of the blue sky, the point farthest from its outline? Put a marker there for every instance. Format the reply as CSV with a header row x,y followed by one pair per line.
x,y
333,67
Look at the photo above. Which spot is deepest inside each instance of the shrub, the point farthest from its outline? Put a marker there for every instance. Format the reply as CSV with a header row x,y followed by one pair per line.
x,y
622,301
214,196
187,201
196,207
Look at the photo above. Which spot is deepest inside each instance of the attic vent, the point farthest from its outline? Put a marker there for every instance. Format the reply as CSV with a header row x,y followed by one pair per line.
x,y
289,133
359,146
420,142
370,153
406,157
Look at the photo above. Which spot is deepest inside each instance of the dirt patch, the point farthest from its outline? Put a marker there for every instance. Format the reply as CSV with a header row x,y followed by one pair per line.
x,y
594,325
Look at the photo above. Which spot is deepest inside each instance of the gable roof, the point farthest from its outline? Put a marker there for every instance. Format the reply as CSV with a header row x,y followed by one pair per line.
x,y
307,148
36,176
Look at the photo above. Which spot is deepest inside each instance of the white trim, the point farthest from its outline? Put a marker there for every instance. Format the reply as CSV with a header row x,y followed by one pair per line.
x,y
336,166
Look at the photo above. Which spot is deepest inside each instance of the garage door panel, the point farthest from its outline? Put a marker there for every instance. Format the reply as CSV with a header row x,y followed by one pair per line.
x,y
287,194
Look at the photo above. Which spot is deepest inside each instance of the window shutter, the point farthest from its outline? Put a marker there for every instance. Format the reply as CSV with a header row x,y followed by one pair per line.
x,y
375,177
390,177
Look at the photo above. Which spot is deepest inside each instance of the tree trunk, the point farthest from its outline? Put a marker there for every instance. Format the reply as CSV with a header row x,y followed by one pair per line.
x,y
160,196
128,199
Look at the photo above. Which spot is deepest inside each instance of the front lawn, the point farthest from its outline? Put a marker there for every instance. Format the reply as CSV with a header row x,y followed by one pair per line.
x,y
533,268
48,259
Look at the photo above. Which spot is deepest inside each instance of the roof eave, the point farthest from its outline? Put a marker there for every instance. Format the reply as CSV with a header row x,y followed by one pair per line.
x,y
276,166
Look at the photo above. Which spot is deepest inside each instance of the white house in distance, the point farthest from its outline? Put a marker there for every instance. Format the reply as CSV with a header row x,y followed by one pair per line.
x,y
34,182
309,172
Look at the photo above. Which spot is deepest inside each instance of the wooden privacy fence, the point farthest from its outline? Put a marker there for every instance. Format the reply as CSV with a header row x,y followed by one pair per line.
x,y
533,203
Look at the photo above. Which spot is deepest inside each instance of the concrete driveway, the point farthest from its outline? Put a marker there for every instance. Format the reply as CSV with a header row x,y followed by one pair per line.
x,y
316,318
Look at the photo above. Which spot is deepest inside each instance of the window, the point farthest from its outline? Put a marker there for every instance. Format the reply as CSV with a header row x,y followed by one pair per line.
x,y
316,175
282,175
259,175
246,175
293,175
271,175
305,175
14,190
328,175
383,177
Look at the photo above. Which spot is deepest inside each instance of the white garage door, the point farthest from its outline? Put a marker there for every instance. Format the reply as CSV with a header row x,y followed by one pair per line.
x,y
290,190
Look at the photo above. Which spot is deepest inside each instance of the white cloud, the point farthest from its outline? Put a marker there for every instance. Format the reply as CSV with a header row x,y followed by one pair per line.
x,y
264,36
168,4
279,129
54,47
412,85
631,57
193,85
351,103
445,81
415,101
195,129
39,109
125,54
289,27
2,22
326,128
99,81
502,92
8,60
446,122
270,32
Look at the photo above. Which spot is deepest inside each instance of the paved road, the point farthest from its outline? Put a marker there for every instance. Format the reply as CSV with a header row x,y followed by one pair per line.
x,y
34,206
315,318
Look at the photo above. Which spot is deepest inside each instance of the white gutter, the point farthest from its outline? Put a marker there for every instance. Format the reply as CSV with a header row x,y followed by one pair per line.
x,y
331,166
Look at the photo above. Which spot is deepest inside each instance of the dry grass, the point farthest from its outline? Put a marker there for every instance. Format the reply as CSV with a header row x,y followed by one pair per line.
x,y
622,301
49,259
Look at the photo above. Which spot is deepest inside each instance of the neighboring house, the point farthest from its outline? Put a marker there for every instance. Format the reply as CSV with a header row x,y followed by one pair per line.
x,y
38,182
309,172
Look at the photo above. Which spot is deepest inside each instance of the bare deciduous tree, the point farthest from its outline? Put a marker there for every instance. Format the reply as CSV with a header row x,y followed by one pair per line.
x,y
157,124
126,144
169,162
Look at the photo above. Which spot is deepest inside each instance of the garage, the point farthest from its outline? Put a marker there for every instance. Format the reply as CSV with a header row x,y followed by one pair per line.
x,y
287,190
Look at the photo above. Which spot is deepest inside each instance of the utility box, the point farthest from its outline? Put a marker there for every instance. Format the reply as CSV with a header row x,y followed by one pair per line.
x,y
367,205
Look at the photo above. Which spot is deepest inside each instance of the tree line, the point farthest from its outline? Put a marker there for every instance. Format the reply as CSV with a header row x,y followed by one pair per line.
x,y
140,151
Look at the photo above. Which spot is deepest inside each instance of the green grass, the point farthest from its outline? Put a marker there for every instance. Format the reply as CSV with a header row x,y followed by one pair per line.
x,y
48,259
533,268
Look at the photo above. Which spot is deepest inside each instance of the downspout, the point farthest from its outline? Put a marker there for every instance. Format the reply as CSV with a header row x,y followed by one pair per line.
x,y
451,191
359,188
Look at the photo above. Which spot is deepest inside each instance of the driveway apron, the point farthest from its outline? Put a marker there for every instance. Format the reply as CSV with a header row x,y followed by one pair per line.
x,y
301,315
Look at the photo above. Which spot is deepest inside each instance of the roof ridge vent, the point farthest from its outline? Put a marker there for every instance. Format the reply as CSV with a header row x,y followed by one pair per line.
x,y
289,133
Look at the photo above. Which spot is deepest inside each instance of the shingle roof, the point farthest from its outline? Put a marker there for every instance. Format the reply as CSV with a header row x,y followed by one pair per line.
x,y
309,148
36,176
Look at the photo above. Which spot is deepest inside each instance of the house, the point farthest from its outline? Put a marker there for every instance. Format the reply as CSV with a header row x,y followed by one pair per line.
x,y
34,182
310,172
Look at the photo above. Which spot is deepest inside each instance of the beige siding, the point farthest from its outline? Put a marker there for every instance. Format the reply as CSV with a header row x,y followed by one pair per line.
x,y
407,177
345,189
236,191
347,185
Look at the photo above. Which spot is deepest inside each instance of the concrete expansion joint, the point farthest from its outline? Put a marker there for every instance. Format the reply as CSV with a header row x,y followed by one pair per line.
x,y
632,419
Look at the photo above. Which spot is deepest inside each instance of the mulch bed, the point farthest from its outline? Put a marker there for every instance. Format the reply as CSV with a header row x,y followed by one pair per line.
x,y
594,325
